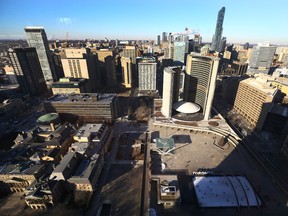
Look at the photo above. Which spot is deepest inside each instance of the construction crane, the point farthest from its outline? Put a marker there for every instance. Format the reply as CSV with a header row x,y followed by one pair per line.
x,y
186,32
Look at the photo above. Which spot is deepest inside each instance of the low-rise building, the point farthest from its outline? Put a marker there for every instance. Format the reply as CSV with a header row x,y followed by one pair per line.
x,y
90,132
87,107
20,176
66,167
70,85
87,174
44,195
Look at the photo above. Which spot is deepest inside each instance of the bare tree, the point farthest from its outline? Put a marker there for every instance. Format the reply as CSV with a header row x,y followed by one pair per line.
x,y
142,113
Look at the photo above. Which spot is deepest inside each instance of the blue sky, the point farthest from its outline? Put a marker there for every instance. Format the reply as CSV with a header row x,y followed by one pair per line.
x,y
245,20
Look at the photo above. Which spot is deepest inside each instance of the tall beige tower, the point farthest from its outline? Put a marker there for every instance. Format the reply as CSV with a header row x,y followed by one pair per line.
x,y
130,51
254,99
126,65
107,66
200,81
171,86
80,63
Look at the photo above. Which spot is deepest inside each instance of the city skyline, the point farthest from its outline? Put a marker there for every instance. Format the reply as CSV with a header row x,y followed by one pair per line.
x,y
244,21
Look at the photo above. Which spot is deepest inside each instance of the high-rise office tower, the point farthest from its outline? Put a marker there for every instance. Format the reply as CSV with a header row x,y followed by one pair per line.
x,y
56,59
158,40
130,52
147,74
205,50
80,63
126,65
218,31
164,36
246,46
222,44
170,38
261,58
170,89
200,81
111,74
102,55
36,37
180,49
28,71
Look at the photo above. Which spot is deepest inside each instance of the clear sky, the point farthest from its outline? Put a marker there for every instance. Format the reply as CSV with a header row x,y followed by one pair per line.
x,y
245,20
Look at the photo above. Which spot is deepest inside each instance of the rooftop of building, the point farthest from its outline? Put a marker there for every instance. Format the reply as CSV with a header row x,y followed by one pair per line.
x,y
69,82
186,107
129,47
79,147
80,98
198,55
34,27
85,169
48,118
90,129
147,60
224,191
25,168
64,163
172,69
262,84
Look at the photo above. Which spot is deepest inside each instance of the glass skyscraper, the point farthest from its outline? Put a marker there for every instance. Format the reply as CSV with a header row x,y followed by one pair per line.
x,y
36,37
218,31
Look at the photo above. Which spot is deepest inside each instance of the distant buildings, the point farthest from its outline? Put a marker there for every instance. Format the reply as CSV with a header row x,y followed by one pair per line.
x,y
180,49
218,31
87,107
261,59
171,87
200,81
164,37
10,74
204,50
147,72
28,70
234,69
158,40
36,37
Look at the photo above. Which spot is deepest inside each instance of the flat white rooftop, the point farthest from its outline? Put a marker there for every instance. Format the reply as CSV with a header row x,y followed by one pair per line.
x,y
224,191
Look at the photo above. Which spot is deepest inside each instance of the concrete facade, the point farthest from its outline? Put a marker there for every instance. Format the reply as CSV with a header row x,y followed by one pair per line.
x,y
200,81
253,100
91,107
70,85
147,72
126,65
170,89
28,70
81,63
